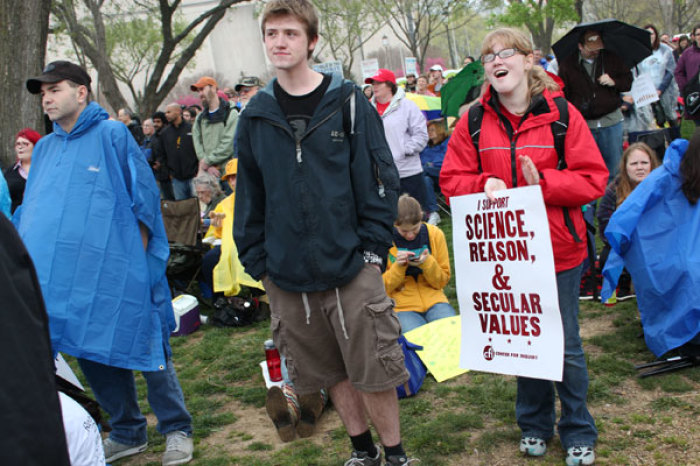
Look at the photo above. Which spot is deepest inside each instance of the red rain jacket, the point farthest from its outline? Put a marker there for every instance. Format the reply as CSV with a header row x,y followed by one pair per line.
x,y
582,181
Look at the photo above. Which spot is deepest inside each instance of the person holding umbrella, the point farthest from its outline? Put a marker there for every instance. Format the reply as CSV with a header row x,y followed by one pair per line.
x,y
594,79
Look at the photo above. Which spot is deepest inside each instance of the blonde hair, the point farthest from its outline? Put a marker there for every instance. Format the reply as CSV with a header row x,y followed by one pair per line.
x,y
409,211
537,78
626,185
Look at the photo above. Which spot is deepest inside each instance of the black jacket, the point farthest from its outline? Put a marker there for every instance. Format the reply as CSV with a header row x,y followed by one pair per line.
x,y
591,98
307,209
15,184
175,147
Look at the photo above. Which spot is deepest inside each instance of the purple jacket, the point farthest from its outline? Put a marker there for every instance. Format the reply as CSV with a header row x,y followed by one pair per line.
x,y
687,66
406,132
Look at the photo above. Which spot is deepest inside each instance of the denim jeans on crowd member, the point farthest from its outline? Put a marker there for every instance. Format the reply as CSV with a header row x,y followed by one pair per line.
x,y
182,189
535,405
430,197
609,141
415,187
115,390
411,319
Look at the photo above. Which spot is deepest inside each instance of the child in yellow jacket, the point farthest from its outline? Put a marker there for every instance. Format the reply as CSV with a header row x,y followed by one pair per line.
x,y
418,268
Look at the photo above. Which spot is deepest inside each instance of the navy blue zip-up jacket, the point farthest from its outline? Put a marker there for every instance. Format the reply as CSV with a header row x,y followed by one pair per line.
x,y
307,209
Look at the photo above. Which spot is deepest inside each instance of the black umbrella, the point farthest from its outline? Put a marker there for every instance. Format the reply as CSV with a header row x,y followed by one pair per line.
x,y
630,43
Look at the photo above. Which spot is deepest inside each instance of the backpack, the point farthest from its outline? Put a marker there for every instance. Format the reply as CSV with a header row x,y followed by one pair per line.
x,y
691,95
385,171
559,128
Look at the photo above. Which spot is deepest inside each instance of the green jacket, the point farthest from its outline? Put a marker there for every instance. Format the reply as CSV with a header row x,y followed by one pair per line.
x,y
213,134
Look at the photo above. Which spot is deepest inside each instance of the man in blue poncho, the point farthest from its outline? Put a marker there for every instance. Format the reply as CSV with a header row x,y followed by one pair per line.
x,y
91,222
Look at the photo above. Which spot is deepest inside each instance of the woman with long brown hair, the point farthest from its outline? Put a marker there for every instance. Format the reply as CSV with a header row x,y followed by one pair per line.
x,y
637,162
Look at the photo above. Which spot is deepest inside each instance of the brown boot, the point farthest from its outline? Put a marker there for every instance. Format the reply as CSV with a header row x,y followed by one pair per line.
x,y
311,407
278,410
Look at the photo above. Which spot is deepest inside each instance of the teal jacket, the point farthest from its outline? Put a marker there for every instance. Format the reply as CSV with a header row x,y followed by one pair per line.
x,y
307,209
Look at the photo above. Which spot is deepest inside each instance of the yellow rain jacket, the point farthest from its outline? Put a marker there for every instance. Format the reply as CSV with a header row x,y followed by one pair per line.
x,y
421,294
229,275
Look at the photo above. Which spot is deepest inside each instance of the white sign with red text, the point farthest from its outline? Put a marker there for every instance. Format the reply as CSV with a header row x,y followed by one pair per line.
x,y
506,285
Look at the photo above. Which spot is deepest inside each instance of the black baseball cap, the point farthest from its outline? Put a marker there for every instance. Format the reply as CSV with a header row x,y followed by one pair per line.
x,y
57,71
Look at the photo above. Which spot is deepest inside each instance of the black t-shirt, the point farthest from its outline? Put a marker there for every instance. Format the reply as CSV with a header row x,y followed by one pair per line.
x,y
298,109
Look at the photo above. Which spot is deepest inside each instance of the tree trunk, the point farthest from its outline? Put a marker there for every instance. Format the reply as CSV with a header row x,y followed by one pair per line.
x,y
22,50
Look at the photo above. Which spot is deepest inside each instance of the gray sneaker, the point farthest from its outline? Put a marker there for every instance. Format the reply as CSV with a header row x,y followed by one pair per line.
x,y
400,460
115,450
361,458
178,448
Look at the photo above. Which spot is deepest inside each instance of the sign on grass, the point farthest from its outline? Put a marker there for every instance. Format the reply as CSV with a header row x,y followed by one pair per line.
x,y
506,285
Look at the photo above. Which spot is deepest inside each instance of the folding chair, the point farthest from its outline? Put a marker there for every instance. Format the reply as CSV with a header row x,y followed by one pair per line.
x,y
182,227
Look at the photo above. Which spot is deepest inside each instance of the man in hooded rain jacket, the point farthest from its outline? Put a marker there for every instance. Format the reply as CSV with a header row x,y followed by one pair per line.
x,y
91,222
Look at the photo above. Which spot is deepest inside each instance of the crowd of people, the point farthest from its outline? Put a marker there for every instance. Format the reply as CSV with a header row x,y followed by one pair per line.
x,y
335,190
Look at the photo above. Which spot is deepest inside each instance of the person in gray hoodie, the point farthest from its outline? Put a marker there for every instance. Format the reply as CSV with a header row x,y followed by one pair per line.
x,y
405,129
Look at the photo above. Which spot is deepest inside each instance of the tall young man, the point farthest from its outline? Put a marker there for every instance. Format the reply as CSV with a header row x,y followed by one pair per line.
x,y
91,222
314,222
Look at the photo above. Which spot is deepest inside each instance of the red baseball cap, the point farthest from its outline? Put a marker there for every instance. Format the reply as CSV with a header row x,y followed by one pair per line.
x,y
382,76
203,81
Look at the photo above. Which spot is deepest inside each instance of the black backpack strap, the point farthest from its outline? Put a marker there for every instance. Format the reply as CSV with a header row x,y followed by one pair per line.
x,y
559,128
474,120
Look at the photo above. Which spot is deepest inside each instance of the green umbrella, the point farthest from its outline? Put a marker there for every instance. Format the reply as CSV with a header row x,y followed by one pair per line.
x,y
463,88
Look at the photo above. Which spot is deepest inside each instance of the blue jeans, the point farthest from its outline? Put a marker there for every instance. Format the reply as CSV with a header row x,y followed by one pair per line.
x,y
609,141
182,189
411,319
115,390
534,408
430,197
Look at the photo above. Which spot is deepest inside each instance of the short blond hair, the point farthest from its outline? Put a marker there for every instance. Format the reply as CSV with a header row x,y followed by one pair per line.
x,y
303,10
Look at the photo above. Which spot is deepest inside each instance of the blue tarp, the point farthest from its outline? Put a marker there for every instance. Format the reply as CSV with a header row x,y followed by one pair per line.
x,y
655,234
107,298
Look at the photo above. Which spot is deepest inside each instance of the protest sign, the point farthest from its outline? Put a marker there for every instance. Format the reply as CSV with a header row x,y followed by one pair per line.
x,y
441,341
330,67
506,284
370,68
411,65
643,90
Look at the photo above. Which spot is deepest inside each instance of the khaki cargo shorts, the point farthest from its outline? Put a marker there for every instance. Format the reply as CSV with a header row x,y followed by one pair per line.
x,y
348,332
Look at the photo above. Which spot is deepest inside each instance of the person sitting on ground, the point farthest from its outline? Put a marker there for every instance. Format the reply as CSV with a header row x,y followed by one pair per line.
x,y
209,193
221,271
16,175
637,162
431,158
418,268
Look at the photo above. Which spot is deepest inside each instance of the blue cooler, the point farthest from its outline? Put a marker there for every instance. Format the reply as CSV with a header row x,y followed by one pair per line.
x,y
186,310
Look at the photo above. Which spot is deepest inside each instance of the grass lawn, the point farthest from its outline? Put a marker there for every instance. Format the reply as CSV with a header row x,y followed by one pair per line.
x,y
466,420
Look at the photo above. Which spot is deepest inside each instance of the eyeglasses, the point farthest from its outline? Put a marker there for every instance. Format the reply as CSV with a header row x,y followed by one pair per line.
x,y
503,54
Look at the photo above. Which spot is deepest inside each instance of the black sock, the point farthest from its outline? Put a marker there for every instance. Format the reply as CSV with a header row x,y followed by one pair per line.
x,y
364,442
396,450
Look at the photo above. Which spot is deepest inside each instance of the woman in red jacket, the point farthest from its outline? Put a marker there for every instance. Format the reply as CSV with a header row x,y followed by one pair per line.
x,y
516,148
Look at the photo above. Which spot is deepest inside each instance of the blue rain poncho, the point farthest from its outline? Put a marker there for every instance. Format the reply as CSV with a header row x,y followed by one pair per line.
x,y
5,201
107,298
655,234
